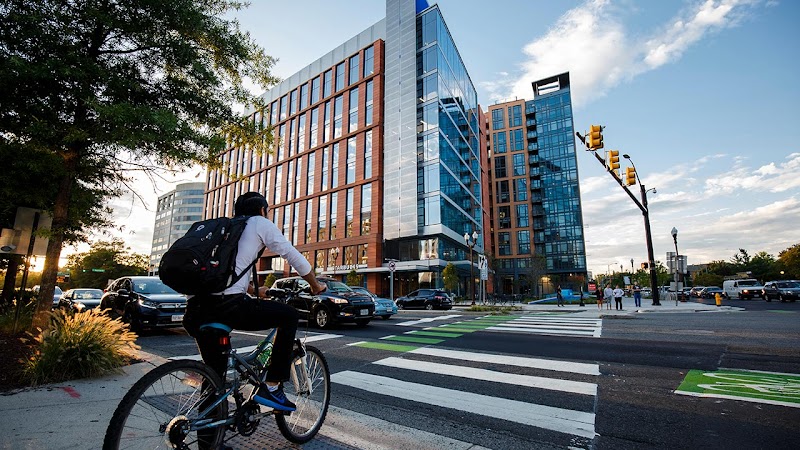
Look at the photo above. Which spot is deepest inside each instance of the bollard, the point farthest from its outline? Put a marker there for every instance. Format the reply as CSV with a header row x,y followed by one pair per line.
x,y
718,298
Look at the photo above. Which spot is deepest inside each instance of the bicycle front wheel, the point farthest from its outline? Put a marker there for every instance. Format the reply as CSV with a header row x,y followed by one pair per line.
x,y
311,392
162,410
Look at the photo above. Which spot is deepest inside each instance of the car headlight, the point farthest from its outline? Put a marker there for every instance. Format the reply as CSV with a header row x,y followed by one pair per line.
x,y
339,301
148,303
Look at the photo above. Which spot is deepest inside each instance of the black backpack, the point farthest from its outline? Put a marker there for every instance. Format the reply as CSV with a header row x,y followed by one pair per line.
x,y
203,261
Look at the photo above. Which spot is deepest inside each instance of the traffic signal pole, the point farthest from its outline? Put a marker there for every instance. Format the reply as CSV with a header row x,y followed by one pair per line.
x,y
643,206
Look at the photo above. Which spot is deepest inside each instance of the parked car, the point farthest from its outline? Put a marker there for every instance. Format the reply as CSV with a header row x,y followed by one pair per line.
x,y
425,298
743,288
647,292
782,290
384,307
338,303
695,291
144,302
57,293
81,299
711,291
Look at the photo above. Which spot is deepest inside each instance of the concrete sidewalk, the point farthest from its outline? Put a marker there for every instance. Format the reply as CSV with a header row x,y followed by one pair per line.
x,y
75,414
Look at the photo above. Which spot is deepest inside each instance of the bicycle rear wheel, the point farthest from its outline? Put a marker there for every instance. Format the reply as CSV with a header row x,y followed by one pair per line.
x,y
158,411
312,401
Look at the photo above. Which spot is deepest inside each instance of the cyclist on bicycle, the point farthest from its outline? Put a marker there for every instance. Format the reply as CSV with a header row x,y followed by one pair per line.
x,y
234,308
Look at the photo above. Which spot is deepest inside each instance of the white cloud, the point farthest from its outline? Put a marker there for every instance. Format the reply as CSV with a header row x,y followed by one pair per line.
x,y
591,42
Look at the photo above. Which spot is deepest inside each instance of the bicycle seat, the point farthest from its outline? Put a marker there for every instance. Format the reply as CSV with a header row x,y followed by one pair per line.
x,y
215,326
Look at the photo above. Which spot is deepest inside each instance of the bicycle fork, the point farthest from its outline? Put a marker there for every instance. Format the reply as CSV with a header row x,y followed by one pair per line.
x,y
302,383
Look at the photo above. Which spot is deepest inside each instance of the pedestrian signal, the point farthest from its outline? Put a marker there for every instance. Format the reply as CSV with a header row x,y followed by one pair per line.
x,y
613,162
630,176
595,137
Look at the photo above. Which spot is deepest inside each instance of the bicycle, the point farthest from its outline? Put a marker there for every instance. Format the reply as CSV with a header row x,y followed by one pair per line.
x,y
184,404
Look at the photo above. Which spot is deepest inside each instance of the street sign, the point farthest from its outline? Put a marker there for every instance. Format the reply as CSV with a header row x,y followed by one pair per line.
x,y
392,266
483,266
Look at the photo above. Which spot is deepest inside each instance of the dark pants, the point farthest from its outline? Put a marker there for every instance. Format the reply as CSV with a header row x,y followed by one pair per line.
x,y
243,313
637,298
618,301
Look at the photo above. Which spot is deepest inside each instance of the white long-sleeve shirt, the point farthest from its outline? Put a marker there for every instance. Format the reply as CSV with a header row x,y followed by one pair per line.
x,y
260,232
618,293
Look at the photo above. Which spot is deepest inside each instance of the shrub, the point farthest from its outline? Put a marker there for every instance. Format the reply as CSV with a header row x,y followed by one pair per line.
x,y
80,345
7,313
494,310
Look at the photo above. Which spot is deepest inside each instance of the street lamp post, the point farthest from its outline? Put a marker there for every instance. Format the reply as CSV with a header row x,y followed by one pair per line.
x,y
335,254
651,263
678,268
471,244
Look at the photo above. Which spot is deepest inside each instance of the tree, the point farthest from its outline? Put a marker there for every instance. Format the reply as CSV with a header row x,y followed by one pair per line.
x,y
105,260
93,90
450,277
708,279
353,278
789,262
537,268
741,259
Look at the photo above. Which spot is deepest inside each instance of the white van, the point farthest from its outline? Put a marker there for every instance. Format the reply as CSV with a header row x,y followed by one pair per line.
x,y
745,288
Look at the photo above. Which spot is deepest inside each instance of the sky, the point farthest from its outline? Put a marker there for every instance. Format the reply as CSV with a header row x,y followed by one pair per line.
x,y
702,95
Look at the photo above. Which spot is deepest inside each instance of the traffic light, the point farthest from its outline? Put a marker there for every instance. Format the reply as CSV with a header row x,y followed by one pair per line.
x,y
630,176
595,137
613,162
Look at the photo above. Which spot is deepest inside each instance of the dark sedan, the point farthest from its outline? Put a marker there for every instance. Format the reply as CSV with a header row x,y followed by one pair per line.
x,y
425,299
144,302
338,303
81,299
711,291
781,290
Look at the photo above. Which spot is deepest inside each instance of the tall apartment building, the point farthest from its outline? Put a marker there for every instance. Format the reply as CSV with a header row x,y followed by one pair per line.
x,y
175,213
378,157
536,209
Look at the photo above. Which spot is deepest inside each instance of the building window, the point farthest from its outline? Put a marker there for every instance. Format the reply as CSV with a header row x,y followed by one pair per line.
x,y
366,208
282,113
290,180
519,164
516,140
315,90
337,116
301,133
500,167
349,255
326,83
368,155
515,116
350,176
522,216
503,192
504,217
363,251
278,182
339,76
353,117
334,214
326,131
312,139
298,176
499,140
523,242
504,243
309,210
335,165
293,102
281,141
353,70
521,189
322,219
325,165
349,214
369,61
368,109
310,173
303,96
497,119
291,137
321,257
273,113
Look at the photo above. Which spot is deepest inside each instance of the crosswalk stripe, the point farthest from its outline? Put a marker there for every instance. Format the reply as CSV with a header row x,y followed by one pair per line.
x,y
557,419
560,317
520,361
545,330
250,348
426,320
575,387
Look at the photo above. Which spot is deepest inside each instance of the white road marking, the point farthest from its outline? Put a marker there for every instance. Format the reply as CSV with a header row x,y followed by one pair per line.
x,y
519,361
411,323
250,348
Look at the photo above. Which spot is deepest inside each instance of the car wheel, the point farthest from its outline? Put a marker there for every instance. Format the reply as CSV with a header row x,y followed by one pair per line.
x,y
781,298
429,306
322,317
386,317
362,322
767,298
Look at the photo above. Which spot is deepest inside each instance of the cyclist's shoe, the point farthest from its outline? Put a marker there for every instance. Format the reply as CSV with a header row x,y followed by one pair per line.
x,y
275,399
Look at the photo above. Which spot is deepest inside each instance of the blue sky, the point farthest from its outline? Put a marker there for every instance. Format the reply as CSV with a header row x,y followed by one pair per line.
x,y
702,95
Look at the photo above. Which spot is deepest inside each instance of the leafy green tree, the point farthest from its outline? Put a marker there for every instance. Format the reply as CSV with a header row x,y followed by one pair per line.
x,y
105,260
721,268
450,277
789,262
92,90
353,278
708,279
762,266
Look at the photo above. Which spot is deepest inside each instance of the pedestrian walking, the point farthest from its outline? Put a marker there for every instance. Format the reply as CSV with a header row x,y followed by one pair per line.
x,y
637,295
559,297
608,294
618,293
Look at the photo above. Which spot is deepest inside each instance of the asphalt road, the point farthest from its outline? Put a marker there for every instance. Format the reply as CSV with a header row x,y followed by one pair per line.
x,y
466,390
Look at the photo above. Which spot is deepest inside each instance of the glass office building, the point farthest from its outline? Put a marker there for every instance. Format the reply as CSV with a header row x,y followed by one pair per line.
x,y
176,211
376,157
536,215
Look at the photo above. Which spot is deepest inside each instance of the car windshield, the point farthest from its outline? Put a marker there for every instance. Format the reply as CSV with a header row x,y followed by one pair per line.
x,y
152,286
337,286
88,294
362,290
788,284
748,283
